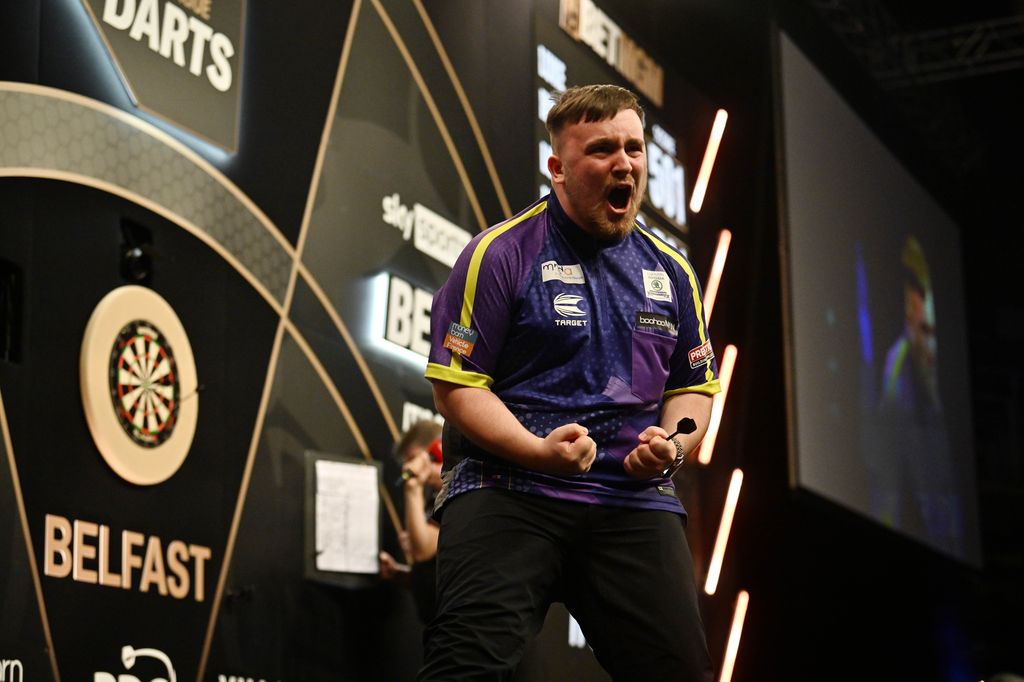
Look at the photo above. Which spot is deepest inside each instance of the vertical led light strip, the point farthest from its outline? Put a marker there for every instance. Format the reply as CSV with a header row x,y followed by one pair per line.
x,y
718,405
717,266
718,554
742,599
701,187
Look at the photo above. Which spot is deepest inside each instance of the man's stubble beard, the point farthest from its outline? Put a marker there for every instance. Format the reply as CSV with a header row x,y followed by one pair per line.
x,y
595,218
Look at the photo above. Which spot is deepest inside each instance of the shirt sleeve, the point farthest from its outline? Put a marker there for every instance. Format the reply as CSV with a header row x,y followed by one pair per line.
x,y
693,367
471,313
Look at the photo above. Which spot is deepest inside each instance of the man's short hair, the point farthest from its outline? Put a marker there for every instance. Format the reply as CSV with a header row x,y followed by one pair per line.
x,y
421,434
589,103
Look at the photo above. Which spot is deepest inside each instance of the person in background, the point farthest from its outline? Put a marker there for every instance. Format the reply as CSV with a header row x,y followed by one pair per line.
x,y
419,452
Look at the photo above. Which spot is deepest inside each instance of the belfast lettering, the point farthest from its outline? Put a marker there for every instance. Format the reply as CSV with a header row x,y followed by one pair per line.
x,y
84,551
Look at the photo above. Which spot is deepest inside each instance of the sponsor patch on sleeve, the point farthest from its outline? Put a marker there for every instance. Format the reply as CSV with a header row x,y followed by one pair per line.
x,y
460,339
701,354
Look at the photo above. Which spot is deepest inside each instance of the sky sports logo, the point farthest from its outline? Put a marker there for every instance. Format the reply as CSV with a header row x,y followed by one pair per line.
x,y
655,321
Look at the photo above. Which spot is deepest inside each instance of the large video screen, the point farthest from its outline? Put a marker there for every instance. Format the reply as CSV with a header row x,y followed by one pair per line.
x,y
878,359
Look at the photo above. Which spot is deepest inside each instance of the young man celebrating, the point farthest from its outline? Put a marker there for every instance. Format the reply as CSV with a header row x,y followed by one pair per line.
x,y
567,344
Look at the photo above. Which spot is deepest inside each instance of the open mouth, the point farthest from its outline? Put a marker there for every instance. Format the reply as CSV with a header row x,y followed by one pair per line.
x,y
619,197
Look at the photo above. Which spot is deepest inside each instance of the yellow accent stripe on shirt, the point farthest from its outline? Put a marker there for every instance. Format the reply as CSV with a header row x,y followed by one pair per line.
x,y
473,272
710,388
698,307
475,379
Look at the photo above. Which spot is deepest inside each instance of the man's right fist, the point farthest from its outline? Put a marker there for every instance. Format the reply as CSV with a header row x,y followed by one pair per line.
x,y
569,450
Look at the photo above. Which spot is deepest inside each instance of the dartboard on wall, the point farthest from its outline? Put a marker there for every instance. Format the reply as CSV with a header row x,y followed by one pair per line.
x,y
139,385
144,383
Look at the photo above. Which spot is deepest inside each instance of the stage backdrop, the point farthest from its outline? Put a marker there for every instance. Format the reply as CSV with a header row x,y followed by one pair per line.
x,y
221,226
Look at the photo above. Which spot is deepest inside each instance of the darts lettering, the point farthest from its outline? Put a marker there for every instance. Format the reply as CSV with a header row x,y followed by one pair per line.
x,y
86,552
186,40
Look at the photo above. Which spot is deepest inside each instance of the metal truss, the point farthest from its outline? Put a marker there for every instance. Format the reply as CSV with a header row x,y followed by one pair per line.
x,y
913,66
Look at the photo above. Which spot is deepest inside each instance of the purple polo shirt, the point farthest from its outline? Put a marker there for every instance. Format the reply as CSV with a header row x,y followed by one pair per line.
x,y
566,328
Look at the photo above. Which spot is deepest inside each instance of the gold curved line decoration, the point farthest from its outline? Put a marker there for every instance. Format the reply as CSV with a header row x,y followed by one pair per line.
x,y
33,566
229,547
350,342
58,132
464,100
325,134
300,268
307,214
171,216
339,402
158,135
434,112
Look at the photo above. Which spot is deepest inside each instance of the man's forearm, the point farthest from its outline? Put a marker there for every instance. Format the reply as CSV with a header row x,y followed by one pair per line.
x,y
483,418
697,407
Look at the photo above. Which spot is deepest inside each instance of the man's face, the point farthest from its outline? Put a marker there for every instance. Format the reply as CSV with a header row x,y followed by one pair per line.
x,y
601,169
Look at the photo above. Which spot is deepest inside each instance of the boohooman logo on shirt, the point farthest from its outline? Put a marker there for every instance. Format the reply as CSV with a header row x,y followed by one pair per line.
x,y
568,305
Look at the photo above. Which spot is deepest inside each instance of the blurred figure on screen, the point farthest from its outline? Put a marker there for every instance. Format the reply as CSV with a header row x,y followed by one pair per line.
x,y
912,479
911,377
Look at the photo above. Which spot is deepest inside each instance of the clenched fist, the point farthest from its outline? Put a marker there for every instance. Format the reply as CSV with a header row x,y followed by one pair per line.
x,y
653,454
566,450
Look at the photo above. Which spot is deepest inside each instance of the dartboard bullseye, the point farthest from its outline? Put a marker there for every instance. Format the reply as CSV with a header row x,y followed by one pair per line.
x,y
144,383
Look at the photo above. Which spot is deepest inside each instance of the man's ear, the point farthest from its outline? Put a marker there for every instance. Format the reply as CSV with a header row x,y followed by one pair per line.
x,y
555,169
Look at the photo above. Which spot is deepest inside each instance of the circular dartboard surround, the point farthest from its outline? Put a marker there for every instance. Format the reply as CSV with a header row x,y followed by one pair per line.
x,y
139,385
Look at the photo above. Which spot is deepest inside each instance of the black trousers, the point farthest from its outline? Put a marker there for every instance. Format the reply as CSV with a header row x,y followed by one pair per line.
x,y
625,575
